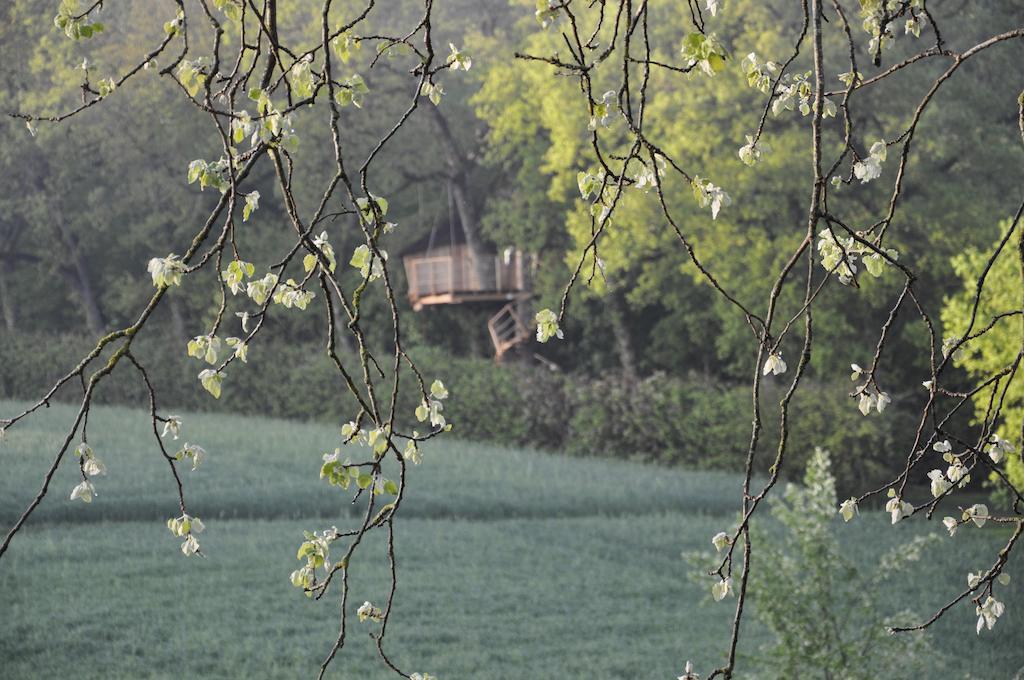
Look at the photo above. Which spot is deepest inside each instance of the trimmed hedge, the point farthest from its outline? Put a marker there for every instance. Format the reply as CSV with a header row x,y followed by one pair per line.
x,y
663,419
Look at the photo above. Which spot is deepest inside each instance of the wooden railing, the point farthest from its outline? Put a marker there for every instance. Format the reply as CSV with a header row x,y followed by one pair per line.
x,y
431,275
458,272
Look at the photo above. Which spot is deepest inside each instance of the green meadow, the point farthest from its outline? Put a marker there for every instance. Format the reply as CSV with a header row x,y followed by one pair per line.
x,y
512,564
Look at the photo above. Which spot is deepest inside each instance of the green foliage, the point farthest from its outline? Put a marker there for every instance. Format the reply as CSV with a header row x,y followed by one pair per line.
x,y
516,405
532,150
663,419
192,75
705,52
545,143
547,325
701,425
522,405
352,92
998,347
74,22
825,609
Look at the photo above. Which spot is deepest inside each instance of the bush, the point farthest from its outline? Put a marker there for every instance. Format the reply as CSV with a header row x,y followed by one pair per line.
x,y
290,381
867,450
520,404
824,609
662,419
514,404
705,426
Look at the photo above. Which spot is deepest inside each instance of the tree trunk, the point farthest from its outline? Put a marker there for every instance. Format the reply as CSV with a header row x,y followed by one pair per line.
x,y
6,304
459,170
90,304
477,348
86,299
616,303
178,328
270,18
73,266
470,227
77,274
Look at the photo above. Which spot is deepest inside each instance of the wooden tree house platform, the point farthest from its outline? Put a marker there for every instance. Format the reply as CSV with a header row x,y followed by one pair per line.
x,y
448,274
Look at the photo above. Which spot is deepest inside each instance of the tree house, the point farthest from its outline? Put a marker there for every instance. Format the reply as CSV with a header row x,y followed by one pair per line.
x,y
450,273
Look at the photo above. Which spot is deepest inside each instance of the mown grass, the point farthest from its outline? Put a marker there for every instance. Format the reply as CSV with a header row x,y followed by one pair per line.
x,y
513,564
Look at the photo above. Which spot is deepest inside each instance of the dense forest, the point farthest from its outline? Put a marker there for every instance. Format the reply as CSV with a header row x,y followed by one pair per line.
x,y
91,200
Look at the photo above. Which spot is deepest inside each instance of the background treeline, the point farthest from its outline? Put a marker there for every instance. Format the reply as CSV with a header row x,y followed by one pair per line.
x,y
654,363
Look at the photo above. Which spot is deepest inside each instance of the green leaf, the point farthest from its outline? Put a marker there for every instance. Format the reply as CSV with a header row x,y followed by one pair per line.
x,y
874,264
344,45
252,202
360,257
438,390
211,381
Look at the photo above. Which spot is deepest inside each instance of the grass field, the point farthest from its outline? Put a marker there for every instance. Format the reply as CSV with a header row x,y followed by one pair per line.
x,y
514,564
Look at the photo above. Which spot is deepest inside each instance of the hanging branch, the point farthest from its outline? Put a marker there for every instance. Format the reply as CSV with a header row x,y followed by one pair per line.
x,y
277,78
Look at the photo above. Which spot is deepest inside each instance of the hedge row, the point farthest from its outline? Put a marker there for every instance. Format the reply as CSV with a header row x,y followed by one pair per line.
x,y
664,419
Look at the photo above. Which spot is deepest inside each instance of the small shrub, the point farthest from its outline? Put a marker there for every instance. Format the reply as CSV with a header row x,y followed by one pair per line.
x,y
826,611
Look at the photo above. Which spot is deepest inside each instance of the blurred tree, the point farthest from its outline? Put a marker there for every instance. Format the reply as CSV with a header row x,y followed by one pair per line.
x,y
538,132
995,309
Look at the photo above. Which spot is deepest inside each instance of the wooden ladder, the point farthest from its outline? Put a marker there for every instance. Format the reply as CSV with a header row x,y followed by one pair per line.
x,y
507,330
